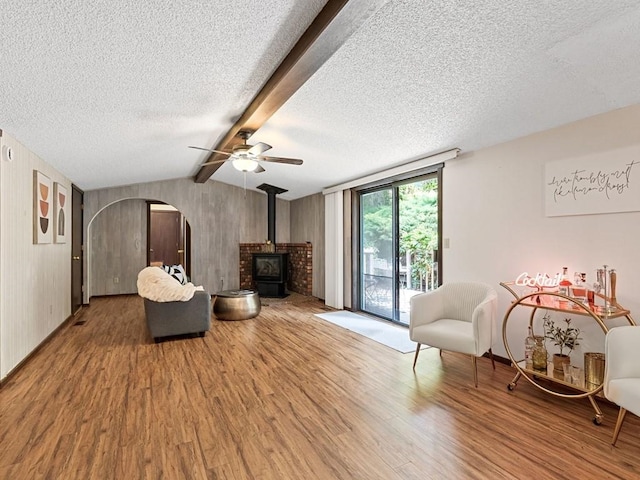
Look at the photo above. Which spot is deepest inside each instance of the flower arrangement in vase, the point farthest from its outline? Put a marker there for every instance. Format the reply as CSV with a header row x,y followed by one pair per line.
x,y
565,338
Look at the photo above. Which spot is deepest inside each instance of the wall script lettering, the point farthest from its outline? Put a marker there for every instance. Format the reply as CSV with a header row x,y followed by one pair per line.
x,y
603,183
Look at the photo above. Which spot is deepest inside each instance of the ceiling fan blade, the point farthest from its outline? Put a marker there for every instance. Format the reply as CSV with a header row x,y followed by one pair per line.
x,y
259,169
209,150
214,162
258,148
290,161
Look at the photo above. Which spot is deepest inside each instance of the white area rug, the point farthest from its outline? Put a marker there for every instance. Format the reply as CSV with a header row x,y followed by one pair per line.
x,y
393,336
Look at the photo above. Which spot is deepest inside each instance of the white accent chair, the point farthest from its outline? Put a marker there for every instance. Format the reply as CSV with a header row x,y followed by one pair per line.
x,y
457,317
622,371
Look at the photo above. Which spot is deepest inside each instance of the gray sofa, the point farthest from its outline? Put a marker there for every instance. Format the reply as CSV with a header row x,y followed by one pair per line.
x,y
168,319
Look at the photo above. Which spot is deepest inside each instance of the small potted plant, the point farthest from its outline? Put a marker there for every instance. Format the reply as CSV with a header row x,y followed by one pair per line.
x,y
566,338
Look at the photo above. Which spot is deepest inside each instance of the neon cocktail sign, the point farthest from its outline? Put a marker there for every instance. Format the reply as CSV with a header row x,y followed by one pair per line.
x,y
540,281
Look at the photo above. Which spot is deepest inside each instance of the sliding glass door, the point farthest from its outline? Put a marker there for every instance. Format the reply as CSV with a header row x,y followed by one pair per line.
x,y
399,244
378,253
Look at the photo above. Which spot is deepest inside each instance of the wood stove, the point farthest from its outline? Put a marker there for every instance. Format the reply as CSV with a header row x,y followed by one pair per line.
x,y
269,271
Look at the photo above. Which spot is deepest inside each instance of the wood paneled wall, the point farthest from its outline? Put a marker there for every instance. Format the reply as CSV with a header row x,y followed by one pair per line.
x,y
119,247
35,284
221,217
307,225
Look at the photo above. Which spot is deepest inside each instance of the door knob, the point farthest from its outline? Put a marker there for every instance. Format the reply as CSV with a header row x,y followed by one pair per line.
x,y
76,258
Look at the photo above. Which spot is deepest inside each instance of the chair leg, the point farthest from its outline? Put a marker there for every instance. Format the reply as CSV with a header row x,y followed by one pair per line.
x,y
475,370
415,359
492,362
616,431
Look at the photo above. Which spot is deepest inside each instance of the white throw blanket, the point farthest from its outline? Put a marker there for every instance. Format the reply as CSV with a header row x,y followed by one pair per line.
x,y
157,285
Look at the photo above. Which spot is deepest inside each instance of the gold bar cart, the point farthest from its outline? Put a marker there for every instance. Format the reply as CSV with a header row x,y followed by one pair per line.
x,y
558,302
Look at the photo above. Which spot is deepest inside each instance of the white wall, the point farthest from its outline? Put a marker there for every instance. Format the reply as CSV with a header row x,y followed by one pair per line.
x,y
35,285
493,216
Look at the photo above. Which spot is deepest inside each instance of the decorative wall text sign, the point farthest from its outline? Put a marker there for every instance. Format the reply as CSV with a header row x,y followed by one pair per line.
x,y
599,183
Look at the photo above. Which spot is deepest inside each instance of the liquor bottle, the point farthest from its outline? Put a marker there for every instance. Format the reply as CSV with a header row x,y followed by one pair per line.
x,y
565,283
539,355
529,345
579,288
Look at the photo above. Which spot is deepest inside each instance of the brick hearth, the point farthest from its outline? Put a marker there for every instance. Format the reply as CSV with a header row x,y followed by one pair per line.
x,y
300,265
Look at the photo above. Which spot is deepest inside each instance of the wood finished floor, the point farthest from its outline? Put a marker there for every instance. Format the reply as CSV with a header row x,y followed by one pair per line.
x,y
285,396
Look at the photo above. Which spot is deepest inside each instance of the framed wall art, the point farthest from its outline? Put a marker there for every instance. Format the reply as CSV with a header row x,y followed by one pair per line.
x,y
43,209
60,213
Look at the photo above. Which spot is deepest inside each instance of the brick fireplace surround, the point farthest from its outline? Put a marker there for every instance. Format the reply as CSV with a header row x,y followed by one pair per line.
x,y
300,265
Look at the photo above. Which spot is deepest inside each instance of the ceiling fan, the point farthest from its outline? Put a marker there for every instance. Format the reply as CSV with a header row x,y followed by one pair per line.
x,y
247,158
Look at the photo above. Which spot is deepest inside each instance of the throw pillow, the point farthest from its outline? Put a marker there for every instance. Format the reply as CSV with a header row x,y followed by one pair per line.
x,y
177,272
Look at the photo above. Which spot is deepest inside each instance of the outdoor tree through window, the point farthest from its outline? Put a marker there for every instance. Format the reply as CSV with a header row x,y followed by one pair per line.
x,y
399,243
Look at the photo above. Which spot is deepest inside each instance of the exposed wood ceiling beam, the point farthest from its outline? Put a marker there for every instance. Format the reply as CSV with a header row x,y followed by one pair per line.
x,y
333,26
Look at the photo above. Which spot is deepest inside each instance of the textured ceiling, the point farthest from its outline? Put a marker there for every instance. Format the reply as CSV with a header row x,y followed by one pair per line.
x,y
111,93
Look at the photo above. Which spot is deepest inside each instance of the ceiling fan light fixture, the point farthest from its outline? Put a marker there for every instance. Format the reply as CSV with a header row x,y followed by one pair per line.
x,y
244,164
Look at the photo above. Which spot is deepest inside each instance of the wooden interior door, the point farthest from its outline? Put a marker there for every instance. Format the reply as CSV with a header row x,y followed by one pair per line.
x,y
165,237
77,200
